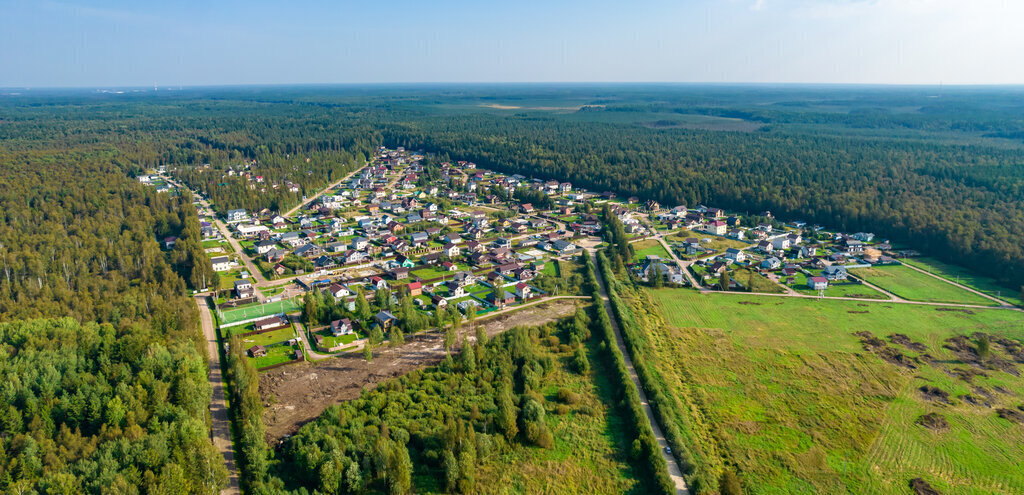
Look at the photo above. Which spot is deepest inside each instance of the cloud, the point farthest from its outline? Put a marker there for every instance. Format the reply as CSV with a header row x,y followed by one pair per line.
x,y
758,5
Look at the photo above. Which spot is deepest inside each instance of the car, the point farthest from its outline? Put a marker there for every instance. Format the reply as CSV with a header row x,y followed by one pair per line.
x,y
668,450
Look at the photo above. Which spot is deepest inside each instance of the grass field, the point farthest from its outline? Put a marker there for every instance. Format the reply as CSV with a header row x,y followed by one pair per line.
x,y
257,310
643,248
782,388
756,282
916,286
967,278
275,355
264,339
718,243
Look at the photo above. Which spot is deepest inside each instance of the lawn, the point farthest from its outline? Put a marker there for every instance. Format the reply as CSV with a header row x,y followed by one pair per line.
x,y
227,279
265,339
644,248
257,310
967,278
756,282
782,388
849,288
275,355
916,286
718,243
432,272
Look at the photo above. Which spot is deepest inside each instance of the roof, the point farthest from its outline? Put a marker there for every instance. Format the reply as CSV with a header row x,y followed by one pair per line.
x,y
818,280
220,259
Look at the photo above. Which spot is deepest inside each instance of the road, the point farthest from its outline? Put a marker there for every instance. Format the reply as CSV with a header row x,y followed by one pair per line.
x,y
220,429
673,467
964,287
312,198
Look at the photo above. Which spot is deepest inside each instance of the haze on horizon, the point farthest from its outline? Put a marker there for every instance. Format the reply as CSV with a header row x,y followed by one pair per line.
x,y
96,43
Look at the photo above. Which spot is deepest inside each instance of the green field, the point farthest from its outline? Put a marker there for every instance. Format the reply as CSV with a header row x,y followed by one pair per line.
x,y
756,282
967,278
257,310
264,339
718,243
644,248
783,389
916,286
275,355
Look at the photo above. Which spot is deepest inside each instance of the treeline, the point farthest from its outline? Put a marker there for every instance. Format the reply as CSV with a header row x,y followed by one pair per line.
x,y
961,204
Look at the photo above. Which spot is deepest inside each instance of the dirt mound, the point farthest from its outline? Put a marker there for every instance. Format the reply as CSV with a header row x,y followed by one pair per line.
x,y
975,401
869,340
921,487
892,356
749,303
903,340
857,312
956,310
933,421
1011,415
966,374
1002,391
934,394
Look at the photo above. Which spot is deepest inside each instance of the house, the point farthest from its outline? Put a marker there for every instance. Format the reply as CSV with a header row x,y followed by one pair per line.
x,y
439,302
772,263
404,261
341,327
835,272
308,251
717,268
400,273
736,234
293,239
378,283
243,289
431,259
360,243
863,236
523,290
733,221
455,289
338,291
736,255
817,283
415,288
451,250
385,319
221,263
169,242
465,278
275,255
269,323
716,227
418,238
452,239
257,351
249,231
324,262
564,247
237,215
526,208
263,247
280,269
781,243
465,306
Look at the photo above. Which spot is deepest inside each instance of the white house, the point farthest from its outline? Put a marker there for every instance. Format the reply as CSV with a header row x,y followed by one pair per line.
x,y
221,263
237,215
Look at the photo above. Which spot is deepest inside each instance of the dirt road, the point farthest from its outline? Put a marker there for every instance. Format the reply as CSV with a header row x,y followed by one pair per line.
x,y
312,198
294,395
220,430
673,467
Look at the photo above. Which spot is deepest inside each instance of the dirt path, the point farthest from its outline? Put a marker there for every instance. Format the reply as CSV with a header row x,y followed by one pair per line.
x,y
312,198
964,287
295,395
673,467
220,430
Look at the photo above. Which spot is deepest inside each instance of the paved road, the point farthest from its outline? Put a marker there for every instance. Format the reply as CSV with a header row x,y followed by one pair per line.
x,y
254,272
673,467
220,431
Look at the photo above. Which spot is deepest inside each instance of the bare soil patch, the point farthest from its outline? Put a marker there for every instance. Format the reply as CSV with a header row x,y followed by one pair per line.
x,y
921,487
884,351
956,310
294,395
903,340
934,394
933,421
1011,414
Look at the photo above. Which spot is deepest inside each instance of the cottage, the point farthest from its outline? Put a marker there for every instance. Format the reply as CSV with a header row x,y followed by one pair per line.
x,y
385,319
716,227
415,288
308,251
378,283
400,273
243,289
451,250
342,327
817,283
523,290
257,351
236,215
221,263
269,323
735,255
338,291
439,302
835,272
263,247
772,263
360,243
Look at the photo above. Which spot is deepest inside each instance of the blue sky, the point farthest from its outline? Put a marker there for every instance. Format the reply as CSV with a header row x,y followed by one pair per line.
x,y
84,43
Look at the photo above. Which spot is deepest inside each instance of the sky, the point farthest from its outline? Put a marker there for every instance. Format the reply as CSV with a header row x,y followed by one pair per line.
x,y
119,43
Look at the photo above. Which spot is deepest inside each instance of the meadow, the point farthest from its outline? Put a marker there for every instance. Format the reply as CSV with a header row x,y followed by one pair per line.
x,y
916,286
642,249
967,278
783,389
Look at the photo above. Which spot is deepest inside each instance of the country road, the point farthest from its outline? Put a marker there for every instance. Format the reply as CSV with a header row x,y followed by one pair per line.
x,y
673,467
220,430
312,198
962,286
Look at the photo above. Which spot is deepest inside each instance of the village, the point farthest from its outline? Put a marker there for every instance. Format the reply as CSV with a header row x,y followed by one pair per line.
x,y
452,237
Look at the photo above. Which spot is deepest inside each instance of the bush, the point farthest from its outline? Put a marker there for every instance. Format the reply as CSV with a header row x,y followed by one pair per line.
x,y
567,396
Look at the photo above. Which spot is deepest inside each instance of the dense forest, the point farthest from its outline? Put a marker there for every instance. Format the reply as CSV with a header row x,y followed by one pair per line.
x,y
105,383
